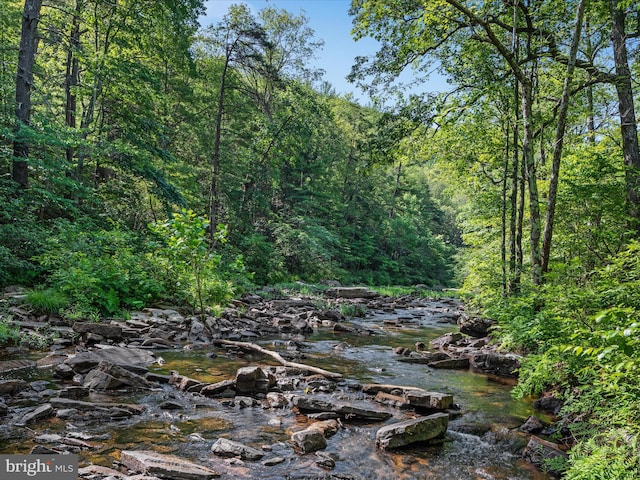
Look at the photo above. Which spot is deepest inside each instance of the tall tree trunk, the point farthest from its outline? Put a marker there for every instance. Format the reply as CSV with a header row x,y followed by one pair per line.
x,y
72,77
591,124
515,226
24,81
532,181
214,200
628,125
559,141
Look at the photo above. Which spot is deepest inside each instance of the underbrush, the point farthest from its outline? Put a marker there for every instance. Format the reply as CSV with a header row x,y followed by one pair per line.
x,y
581,335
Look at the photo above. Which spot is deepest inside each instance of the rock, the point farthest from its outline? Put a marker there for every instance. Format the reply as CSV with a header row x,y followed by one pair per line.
x,y
39,413
215,389
224,447
252,380
103,329
446,340
108,377
325,461
165,466
532,425
276,400
451,364
270,462
12,386
346,411
133,358
474,326
539,450
424,357
548,403
309,440
8,366
404,397
350,292
411,431
119,409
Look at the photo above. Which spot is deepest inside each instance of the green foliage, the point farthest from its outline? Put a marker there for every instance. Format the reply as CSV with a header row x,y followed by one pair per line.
x,y
47,300
353,310
190,264
9,334
100,270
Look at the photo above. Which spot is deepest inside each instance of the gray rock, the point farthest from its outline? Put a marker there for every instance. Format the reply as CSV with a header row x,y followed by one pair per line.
x,y
346,411
309,440
224,447
252,380
538,451
103,329
269,462
165,466
451,364
215,389
39,413
350,292
108,377
411,431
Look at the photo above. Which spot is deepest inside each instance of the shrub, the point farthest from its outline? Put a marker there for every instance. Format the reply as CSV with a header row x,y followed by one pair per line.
x,y
47,300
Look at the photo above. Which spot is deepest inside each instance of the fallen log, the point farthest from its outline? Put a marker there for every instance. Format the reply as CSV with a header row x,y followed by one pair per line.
x,y
276,356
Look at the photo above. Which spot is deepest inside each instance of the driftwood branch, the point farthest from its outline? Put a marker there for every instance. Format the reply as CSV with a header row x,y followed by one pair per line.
x,y
276,356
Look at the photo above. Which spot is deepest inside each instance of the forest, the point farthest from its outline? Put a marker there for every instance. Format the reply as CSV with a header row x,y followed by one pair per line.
x,y
145,158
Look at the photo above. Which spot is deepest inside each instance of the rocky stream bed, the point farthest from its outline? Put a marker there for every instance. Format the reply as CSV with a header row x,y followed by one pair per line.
x,y
285,388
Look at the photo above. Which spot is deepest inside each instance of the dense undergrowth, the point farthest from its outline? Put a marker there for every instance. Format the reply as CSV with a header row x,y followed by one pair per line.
x,y
581,337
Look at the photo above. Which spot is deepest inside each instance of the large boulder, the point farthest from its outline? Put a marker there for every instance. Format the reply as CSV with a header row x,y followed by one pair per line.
x,y
411,431
539,451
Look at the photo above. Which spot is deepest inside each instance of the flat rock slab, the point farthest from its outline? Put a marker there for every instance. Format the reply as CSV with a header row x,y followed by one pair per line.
x,y
350,292
405,397
411,431
344,410
165,466
15,365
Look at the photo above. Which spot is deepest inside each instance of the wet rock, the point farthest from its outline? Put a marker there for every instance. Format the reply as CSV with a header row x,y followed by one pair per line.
x,y
446,340
4,409
451,364
224,447
270,462
532,425
114,409
9,366
538,451
325,461
12,386
344,410
253,380
103,329
424,357
165,466
64,371
218,389
411,431
474,326
276,400
108,377
309,440
405,397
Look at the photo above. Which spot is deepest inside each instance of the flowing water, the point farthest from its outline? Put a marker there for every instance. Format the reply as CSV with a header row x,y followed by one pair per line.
x,y
482,442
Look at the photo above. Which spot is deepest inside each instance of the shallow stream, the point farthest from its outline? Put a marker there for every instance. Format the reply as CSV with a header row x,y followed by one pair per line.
x,y
482,442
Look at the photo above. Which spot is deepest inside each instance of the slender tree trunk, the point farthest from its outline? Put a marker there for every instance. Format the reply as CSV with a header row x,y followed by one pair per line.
x,y
24,82
628,124
503,219
214,200
559,141
72,76
591,124
532,181
515,240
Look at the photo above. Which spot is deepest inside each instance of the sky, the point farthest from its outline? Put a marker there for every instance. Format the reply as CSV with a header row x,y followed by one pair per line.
x,y
331,22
